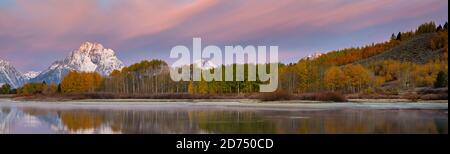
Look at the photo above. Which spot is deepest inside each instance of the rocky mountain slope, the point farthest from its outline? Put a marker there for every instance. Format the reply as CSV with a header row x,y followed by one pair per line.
x,y
416,50
90,57
31,74
9,75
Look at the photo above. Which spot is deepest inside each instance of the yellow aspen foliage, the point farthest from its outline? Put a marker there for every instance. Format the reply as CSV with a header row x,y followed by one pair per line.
x,y
335,79
303,74
32,88
309,75
191,88
425,75
359,77
50,89
115,73
379,81
79,82
203,87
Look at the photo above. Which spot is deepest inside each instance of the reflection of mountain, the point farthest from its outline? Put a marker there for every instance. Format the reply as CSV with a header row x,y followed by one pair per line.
x,y
44,121
13,118
5,119
33,120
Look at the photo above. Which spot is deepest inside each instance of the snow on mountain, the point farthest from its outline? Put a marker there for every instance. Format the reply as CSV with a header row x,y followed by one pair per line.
x,y
204,64
31,74
313,56
9,75
90,57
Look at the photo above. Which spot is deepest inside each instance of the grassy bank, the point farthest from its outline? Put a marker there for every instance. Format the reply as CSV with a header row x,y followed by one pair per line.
x,y
6,95
260,97
275,96
415,95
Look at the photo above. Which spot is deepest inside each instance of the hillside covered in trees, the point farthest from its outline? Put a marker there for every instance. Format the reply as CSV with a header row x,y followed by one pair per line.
x,y
407,63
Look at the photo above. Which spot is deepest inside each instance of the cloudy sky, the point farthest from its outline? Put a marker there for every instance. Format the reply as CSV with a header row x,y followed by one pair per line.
x,y
34,33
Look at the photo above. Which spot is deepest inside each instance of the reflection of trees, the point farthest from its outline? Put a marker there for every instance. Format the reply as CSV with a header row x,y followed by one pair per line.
x,y
238,121
366,121
81,120
5,110
36,111
167,121
233,122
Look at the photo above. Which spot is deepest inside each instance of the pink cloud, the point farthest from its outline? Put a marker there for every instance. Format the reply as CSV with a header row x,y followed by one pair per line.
x,y
257,18
150,17
375,14
41,23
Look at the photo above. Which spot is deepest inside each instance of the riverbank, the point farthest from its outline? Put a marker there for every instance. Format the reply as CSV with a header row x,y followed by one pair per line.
x,y
63,99
274,96
247,101
234,103
256,101
280,97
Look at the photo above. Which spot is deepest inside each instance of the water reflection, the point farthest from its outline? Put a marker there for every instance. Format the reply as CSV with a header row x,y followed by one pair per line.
x,y
39,120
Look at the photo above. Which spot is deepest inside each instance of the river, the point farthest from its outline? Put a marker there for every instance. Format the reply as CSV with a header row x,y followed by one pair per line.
x,y
224,118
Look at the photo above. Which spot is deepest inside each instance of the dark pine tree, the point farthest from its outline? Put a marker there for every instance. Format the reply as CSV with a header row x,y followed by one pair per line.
x,y
441,80
59,88
5,89
393,37
399,36
439,28
446,26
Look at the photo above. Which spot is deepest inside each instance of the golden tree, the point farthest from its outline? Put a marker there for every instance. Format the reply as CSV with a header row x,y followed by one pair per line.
x,y
358,76
335,79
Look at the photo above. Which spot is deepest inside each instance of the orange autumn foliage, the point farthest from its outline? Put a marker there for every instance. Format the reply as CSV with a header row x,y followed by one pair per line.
x,y
79,82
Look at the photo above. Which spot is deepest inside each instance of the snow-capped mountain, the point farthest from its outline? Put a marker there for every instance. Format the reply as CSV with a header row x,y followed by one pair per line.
x,y
204,64
31,74
313,56
90,57
9,75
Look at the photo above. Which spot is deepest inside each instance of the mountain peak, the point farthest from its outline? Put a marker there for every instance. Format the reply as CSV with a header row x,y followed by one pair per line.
x,y
89,57
204,64
88,46
30,74
4,62
313,56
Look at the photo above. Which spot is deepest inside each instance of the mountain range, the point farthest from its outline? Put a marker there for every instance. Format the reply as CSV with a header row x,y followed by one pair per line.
x,y
89,57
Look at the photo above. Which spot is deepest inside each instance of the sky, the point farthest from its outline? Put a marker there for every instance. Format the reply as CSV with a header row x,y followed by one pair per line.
x,y
35,33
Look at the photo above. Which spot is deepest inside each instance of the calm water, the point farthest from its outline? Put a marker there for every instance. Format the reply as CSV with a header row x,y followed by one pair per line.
x,y
181,118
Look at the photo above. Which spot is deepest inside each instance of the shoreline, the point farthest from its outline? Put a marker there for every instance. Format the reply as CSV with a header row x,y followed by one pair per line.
x,y
247,104
240,100
277,97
